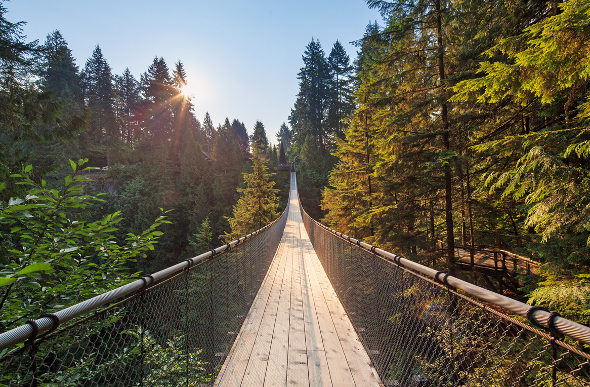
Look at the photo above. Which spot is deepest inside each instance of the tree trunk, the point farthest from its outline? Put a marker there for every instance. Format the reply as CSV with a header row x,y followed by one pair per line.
x,y
369,171
446,143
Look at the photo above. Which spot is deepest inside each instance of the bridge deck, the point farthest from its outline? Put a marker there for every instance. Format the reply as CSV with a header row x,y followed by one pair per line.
x,y
297,332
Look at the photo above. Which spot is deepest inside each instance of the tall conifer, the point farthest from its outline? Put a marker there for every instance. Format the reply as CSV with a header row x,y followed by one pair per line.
x,y
258,202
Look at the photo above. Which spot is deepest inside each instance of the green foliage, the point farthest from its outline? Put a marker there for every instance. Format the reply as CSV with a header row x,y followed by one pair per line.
x,y
549,57
53,256
565,294
202,240
515,143
258,202
259,139
323,101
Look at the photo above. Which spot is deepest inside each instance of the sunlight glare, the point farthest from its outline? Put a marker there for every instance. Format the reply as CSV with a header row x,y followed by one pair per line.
x,y
187,91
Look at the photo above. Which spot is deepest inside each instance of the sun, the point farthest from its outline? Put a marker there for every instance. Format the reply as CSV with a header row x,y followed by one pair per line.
x,y
187,91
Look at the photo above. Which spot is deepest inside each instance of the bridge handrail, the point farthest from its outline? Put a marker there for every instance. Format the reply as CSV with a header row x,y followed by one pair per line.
x,y
536,316
44,324
510,254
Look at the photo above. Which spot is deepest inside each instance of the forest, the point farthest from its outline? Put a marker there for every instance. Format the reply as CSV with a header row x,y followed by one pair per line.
x,y
458,123
97,169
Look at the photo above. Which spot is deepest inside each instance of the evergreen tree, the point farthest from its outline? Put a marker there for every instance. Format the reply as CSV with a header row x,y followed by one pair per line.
x,y
158,91
185,125
60,74
61,82
240,133
179,75
258,202
127,100
229,160
259,139
30,118
308,116
340,104
539,155
99,96
202,240
284,136
209,132
16,65
347,201
282,157
273,157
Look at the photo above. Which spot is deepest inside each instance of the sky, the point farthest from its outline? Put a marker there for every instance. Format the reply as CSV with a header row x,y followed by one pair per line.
x,y
241,56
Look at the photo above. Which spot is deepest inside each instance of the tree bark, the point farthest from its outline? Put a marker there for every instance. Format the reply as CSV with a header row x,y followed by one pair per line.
x,y
369,171
446,142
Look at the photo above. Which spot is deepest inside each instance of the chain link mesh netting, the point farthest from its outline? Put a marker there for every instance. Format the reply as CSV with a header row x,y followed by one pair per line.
x,y
175,332
421,333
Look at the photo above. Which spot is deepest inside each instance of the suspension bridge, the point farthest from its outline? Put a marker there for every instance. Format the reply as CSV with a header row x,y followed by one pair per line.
x,y
296,303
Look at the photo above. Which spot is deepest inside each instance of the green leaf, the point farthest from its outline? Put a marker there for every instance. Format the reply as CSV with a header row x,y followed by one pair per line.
x,y
6,281
73,165
35,267
28,168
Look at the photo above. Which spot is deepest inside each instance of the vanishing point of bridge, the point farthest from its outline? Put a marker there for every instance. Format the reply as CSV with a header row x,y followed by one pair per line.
x,y
297,332
296,303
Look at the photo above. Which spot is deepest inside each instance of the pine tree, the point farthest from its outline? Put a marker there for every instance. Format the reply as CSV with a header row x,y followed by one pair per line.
x,y
273,157
202,240
259,139
258,202
99,96
158,91
16,65
127,99
284,136
209,132
348,200
229,161
533,83
308,116
60,74
61,84
185,124
179,75
340,104
282,157
240,133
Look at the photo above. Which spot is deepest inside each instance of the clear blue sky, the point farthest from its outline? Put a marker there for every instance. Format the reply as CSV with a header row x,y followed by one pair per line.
x,y
242,57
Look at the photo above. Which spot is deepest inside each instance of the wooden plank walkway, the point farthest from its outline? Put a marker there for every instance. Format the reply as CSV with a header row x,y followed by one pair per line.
x,y
297,332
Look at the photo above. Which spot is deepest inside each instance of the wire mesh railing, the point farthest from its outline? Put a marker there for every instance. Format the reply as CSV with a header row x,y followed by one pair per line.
x,y
421,327
174,327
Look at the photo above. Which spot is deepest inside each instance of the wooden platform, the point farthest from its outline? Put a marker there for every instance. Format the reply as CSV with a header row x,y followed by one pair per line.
x,y
297,332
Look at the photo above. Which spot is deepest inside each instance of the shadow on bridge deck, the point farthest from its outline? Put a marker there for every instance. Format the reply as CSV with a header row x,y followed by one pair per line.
x,y
297,332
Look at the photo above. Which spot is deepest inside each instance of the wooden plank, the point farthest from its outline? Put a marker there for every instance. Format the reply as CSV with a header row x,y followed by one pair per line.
x,y
235,364
297,331
357,358
276,369
297,368
256,368
338,366
317,363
